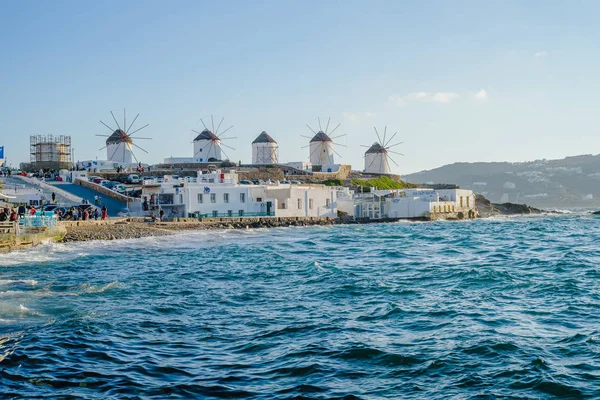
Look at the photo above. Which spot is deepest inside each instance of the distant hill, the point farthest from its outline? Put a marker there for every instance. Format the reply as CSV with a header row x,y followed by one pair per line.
x,y
567,183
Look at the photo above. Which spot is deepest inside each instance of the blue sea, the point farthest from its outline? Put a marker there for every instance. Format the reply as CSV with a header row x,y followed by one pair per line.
x,y
486,309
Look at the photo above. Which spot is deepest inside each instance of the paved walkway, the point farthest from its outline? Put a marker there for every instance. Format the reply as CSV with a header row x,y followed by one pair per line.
x,y
113,205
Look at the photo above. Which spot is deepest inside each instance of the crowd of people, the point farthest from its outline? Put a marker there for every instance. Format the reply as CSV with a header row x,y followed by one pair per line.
x,y
13,212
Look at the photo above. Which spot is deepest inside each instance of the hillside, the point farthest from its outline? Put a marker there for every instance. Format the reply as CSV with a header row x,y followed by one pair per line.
x,y
566,183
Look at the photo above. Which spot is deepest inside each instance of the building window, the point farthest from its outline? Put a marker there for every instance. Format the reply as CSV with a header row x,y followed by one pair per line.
x,y
215,214
242,197
299,204
213,197
225,197
461,201
200,198
229,213
310,204
241,213
282,206
327,202
259,199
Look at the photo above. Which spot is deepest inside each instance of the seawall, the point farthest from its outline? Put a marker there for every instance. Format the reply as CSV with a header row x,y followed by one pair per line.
x,y
32,237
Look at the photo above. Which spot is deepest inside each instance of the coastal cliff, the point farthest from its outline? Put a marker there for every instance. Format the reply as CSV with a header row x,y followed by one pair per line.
x,y
488,209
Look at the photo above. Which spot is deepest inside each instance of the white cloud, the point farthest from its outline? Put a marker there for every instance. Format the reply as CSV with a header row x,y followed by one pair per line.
x,y
353,116
424,97
482,95
541,54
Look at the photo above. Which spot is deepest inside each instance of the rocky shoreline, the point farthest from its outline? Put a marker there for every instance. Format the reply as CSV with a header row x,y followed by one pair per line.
x,y
135,230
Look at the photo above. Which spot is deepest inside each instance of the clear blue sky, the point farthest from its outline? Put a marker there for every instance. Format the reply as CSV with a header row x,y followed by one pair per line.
x,y
459,81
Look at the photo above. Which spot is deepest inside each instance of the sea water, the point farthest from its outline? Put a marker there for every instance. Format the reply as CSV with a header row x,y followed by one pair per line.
x,y
479,309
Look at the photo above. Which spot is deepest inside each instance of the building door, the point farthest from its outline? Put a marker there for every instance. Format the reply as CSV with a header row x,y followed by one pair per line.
x,y
269,205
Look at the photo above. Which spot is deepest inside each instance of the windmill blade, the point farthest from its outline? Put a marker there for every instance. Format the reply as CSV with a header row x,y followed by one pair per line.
x,y
372,161
140,148
104,135
217,131
222,133
203,147
389,147
201,120
102,148
308,137
392,160
115,152
227,138
362,145
124,119
311,129
327,127
306,146
338,136
113,115
378,137
384,133
319,120
199,133
390,139
134,157
338,154
229,147
111,129
394,152
137,130
313,152
132,122
339,144
225,155
143,138
334,129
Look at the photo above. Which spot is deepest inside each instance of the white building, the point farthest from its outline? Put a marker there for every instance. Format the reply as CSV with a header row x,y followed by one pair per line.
x,y
416,203
264,149
219,194
207,146
376,160
321,149
119,148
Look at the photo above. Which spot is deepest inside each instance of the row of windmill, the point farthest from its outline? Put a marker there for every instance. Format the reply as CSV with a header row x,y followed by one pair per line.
x,y
209,146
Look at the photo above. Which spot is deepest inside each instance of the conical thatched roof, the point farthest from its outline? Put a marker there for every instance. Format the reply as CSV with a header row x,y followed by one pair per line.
x,y
321,137
206,135
376,148
264,138
118,136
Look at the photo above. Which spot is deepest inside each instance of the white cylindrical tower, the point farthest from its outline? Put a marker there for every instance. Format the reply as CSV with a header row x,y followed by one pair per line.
x,y
264,149
119,148
376,160
207,147
321,149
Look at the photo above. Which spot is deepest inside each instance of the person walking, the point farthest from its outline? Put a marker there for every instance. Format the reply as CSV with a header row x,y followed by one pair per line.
x,y
96,213
104,212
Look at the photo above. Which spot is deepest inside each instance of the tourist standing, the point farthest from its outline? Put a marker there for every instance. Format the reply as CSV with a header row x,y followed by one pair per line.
x,y
161,214
104,212
21,210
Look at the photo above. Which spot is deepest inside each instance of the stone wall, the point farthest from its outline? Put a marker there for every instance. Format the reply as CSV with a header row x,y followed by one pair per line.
x,y
106,191
31,237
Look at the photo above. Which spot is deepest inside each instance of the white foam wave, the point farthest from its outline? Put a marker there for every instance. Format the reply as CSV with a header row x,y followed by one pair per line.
x,y
31,282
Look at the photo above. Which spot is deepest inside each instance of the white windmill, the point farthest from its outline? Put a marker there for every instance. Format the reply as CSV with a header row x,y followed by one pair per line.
x,y
377,157
264,149
321,145
119,145
208,146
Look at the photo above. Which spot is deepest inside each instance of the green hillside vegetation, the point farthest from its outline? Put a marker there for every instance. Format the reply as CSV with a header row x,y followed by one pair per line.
x,y
383,182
